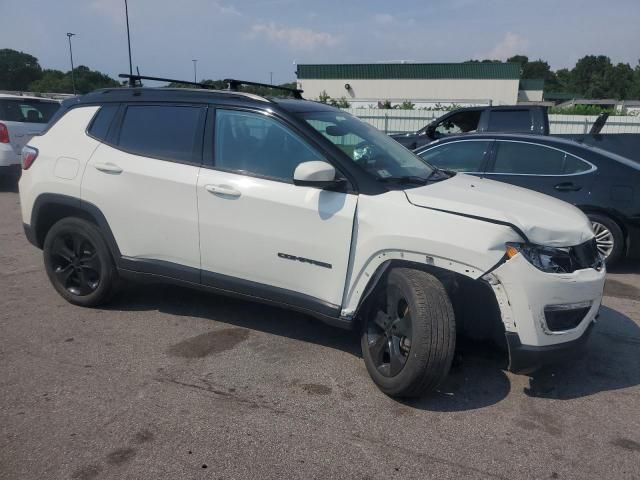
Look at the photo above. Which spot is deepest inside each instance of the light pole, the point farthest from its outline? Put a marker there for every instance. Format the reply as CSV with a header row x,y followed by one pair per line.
x,y
126,13
73,79
195,70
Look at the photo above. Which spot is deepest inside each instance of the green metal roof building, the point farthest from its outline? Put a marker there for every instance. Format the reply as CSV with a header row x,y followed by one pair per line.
x,y
462,83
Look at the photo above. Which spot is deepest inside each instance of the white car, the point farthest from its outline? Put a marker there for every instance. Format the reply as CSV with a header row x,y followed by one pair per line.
x,y
299,204
20,119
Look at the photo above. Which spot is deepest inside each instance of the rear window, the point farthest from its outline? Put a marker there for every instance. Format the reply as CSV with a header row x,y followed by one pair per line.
x,y
27,111
510,121
162,131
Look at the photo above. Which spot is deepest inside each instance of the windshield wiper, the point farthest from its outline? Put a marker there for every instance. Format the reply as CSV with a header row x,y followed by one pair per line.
x,y
411,179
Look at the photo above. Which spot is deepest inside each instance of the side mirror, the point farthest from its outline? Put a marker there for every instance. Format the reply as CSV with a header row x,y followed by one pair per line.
x,y
315,174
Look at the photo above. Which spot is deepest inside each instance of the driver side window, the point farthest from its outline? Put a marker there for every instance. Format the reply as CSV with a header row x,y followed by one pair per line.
x,y
462,122
253,143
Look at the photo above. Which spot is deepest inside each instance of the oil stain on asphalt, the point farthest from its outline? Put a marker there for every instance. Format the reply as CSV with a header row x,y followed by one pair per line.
x,y
209,343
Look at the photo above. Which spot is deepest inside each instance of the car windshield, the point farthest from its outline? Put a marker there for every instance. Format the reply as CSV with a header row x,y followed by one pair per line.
x,y
377,153
27,110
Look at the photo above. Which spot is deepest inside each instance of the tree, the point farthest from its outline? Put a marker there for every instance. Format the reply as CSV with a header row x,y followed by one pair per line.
x,y
86,81
591,75
17,69
634,90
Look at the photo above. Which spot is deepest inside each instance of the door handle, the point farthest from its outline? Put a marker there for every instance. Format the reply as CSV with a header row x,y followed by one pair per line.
x,y
222,190
107,167
567,187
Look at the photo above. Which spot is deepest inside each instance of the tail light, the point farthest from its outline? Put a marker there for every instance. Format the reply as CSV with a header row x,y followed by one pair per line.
x,y
4,133
29,155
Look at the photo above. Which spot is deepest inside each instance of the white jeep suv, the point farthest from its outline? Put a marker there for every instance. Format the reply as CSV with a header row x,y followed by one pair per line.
x,y
299,204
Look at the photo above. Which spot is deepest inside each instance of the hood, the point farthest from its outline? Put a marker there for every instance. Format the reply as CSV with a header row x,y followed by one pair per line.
x,y
543,219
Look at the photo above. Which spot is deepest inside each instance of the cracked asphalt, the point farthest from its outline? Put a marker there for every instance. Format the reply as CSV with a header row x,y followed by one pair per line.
x,y
172,383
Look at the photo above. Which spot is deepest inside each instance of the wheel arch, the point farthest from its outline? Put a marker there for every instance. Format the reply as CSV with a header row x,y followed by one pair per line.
x,y
476,307
49,208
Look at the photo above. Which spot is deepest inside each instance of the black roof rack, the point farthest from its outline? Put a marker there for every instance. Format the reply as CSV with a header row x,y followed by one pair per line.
x,y
234,84
136,78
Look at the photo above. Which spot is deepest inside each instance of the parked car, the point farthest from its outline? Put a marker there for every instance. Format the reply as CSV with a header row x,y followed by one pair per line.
x,y
298,204
20,119
605,186
514,118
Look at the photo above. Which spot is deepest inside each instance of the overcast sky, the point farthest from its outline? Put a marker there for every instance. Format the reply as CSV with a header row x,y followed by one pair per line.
x,y
249,38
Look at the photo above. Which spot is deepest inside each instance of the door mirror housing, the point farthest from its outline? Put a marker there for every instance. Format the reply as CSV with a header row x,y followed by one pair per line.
x,y
316,174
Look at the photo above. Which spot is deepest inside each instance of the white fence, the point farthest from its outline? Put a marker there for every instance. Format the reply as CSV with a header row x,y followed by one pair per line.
x,y
403,121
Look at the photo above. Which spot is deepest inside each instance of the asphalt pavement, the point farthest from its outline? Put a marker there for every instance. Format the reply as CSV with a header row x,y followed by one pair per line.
x,y
168,383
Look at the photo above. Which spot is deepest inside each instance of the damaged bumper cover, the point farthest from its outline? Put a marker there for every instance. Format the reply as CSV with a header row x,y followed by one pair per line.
x,y
547,316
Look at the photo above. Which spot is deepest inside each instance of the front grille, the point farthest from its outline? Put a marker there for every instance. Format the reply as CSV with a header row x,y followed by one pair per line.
x,y
560,319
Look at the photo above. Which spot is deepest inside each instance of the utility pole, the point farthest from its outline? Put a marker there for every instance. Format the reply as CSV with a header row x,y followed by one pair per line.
x,y
73,79
126,13
195,70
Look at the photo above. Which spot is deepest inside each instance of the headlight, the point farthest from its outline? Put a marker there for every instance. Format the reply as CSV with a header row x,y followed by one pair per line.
x,y
547,259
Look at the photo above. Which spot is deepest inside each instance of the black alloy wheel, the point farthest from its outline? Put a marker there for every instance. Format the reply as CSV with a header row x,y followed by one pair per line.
x,y
389,335
75,263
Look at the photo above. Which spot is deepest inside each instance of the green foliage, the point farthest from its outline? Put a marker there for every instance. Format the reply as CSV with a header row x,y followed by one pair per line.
x,y
17,70
584,110
86,80
341,102
407,105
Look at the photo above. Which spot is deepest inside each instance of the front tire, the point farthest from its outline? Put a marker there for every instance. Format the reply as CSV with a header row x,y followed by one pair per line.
x,y
409,334
78,262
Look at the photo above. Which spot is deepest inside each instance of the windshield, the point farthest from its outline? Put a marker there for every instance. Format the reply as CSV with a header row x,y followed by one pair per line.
x,y
27,110
371,149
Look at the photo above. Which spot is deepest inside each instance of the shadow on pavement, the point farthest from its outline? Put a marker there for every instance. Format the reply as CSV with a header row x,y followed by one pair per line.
x,y
9,183
611,360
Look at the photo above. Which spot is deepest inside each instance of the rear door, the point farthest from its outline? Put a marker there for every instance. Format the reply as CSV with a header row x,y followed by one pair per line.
x,y
143,179
25,118
542,168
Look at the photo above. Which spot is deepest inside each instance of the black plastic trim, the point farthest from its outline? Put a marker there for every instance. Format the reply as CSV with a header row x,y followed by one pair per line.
x,y
30,234
273,294
529,358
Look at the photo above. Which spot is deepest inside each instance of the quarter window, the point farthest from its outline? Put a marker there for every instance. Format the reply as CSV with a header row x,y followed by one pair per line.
x,y
530,159
102,121
464,156
162,131
258,145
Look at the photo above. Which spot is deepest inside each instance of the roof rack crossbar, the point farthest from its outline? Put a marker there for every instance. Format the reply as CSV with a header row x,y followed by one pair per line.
x,y
134,78
233,85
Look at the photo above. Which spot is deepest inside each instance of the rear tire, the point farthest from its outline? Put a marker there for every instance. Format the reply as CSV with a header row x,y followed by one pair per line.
x,y
608,231
409,334
78,262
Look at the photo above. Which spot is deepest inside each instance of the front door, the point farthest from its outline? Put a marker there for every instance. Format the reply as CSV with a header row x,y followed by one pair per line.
x,y
260,234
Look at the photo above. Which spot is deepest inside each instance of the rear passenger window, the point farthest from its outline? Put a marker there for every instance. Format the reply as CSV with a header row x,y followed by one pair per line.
x,y
259,145
463,156
102,121
162,131
509,121
528,159
575,165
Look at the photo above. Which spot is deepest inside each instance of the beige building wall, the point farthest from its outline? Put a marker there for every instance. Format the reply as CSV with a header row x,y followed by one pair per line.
x,y
500,92
530,96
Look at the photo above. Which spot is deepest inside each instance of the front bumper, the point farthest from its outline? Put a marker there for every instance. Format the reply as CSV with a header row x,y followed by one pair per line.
x,y
524,292
529,358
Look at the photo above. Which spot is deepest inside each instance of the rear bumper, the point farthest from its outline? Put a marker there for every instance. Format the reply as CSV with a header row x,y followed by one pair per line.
x,y
8,158
529,358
